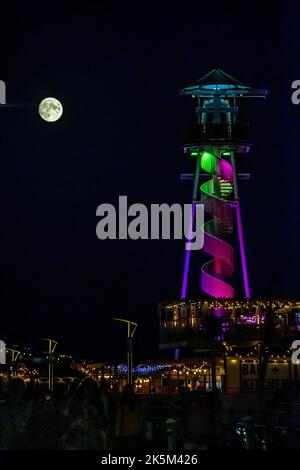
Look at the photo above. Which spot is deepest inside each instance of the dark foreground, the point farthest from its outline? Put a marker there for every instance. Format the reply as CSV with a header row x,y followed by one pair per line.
x,y
91,418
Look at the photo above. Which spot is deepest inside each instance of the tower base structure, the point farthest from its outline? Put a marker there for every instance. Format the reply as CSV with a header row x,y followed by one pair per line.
x,y
241,345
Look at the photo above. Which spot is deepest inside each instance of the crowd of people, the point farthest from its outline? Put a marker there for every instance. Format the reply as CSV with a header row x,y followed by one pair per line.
x,y
87,417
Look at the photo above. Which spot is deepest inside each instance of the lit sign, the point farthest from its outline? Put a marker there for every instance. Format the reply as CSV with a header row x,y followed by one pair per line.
x,y
277,376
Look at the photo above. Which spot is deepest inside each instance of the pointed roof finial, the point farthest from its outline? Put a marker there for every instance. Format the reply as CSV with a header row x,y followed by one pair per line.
x,y
217,79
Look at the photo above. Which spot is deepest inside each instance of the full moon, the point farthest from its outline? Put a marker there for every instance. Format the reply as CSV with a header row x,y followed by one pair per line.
x,y
50,109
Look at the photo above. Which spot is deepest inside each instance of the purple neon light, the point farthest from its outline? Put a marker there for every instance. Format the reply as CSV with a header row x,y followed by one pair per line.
x,y
219,312
242,248
188,255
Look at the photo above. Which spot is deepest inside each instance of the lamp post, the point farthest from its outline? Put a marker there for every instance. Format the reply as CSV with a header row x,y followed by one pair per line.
x,y
14,356
131,329
51,347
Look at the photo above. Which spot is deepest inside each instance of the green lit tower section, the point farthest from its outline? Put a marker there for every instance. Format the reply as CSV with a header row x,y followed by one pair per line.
x,y
214,142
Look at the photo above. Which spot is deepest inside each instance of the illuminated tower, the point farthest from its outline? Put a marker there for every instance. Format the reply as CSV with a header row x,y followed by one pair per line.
x,y
214,142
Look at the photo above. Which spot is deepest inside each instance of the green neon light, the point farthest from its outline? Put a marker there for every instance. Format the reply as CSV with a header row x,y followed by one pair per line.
x,y
209,162
194,154
226,154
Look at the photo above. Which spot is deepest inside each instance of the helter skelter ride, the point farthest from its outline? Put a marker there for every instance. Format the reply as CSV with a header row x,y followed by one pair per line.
x,y
221,324
214,142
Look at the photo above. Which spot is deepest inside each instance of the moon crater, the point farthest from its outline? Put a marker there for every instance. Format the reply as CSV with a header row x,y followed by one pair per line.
x,y
50,109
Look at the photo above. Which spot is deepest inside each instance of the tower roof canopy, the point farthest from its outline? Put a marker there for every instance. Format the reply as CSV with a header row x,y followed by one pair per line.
x,y
218,82
217,79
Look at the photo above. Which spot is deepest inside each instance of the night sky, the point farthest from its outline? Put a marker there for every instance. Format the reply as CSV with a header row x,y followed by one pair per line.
x,y
118,68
